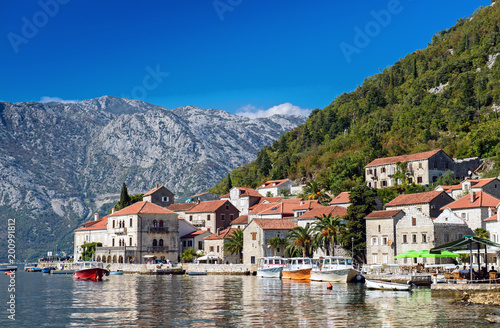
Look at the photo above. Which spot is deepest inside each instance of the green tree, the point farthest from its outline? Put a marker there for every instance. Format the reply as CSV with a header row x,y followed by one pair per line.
x,y
89,250
301,238
275,242
188,255
362,201
328,229
229,182
234,244
124,199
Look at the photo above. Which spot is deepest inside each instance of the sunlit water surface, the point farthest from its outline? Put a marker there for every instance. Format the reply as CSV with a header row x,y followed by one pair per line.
x,y
224,301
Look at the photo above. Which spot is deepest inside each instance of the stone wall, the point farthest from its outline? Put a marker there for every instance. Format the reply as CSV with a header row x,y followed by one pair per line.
x,y
229,269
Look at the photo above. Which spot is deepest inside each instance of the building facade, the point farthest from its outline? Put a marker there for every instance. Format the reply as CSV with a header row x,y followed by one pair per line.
x,y
381,245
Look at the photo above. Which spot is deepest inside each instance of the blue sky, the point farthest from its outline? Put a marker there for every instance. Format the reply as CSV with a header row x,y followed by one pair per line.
x,y
242,56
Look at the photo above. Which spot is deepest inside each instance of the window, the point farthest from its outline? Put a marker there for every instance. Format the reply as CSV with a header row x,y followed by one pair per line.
x,y
446,237
231,217
190,243
254,236
405,239
130,225
183,244
434,178
410,180
374,184
384,183
155,223
211,248
155,242
464,216
420,165
419,179
379,228
424,238
227,207
222,217
113,242
217,248
384,241
190,218
369,184
200,244
384,258
130,241
252,260
414,238
374,241
113,224
208,217
382,170
165,199
374,258
160,243
369,171
413,221
161,223
435,165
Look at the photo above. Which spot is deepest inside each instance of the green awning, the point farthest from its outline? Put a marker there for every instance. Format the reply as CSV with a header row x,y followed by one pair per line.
x,y
427,253
463,243
410,253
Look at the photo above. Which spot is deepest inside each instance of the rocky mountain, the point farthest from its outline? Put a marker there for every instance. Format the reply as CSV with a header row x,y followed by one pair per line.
x,y
61,162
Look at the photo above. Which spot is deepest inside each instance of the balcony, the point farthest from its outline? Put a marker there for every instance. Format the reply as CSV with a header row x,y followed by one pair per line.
x,y
158,229
120,231
198,223
157,248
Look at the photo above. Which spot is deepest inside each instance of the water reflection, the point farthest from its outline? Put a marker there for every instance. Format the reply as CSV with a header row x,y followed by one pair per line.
x,y
227,301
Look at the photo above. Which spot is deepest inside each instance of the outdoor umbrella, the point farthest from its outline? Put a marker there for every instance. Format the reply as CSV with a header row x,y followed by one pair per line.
x,y
427,253
410,253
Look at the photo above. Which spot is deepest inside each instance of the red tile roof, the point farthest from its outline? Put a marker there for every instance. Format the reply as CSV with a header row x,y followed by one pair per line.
x,y
152,191
403,158
418,198
269,200
269,184
181,207
274,208
142,208
474,200
244,192
310,204
491,218
242,219
194,234
291,200
208,206
341,198
382,214
275,224
319,211
99,224
224,234
482,182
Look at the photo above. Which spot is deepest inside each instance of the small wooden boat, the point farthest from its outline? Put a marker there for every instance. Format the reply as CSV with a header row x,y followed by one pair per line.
x,y
334,269
297,268
8,268
116,273
90,270
385,285
62,271
270,267
9,273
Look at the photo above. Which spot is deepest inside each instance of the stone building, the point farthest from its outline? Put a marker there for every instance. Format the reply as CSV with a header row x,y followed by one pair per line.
x,y
312,215
242,198
181,209
194,240
275,187
160,196
212,215
422,168
381,245
258,232
449,227
214,245
140,232
240,222
474,208
429,203
90,232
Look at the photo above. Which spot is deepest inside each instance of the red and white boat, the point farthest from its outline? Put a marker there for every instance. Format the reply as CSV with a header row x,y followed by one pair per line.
x,y
90,270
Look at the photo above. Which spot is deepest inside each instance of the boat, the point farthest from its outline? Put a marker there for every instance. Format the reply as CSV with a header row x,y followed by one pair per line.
x,y
62,271
48,269
90,270
297,268
33,269
334,269
9,273
270,267
116,273
385,285
8,268
197,273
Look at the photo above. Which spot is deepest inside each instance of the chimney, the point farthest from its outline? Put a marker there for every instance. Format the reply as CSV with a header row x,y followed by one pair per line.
x,y
112,210
96,216
218,231
157,185
472,197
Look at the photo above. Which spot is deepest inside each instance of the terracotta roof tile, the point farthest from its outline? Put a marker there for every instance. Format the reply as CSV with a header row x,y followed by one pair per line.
x,y
152,191
341,198
181,207
403,158
142,208
418,198
269,184
310,204
274,208
194,234
491,218
269,200
291,200
382,214
242,219
275,224
482,182
99,224
474,200
224,234
208,206
319,211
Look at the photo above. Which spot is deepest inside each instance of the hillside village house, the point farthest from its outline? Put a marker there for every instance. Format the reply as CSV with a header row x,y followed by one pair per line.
x,y
181,209
258,232
304,207
279,210
474,208
274,188
341,199
90,232
242,198
316,213
194,240
160,196
422,168
429,203
202,197
240,222
381,246
212,215
214,246
490,186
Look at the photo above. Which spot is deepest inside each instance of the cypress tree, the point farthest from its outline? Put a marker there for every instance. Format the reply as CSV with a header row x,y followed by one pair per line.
x,y
229,182
124,197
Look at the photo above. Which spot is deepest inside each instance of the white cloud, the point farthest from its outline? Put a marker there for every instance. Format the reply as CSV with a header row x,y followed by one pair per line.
x,y
56,99
283,109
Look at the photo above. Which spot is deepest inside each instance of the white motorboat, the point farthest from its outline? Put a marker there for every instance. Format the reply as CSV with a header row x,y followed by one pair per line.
x,y
270,267
385,285
334,269
297,268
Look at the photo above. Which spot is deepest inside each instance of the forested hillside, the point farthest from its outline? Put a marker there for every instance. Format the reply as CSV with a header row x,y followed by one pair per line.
x,y
446,96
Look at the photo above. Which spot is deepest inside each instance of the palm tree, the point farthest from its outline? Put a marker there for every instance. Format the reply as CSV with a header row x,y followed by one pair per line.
x,y
482,233
328,229
301,239
275,242
188,255
234,244
312,189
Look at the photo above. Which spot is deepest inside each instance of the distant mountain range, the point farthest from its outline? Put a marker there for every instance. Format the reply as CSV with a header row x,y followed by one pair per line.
x,y
61,162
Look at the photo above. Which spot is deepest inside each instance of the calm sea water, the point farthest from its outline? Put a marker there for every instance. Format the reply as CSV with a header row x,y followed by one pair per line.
x,y
223,301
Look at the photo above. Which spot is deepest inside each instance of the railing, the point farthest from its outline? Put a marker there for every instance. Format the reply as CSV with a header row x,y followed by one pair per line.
x,y
120,231
157,248
158,229
198,223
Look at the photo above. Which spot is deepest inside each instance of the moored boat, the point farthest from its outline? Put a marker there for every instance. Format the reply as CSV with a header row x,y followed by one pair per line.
x,y
197,273
62,271
8,268
334,269
90,270
385,285
48,269
297,268
116,273
270,267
